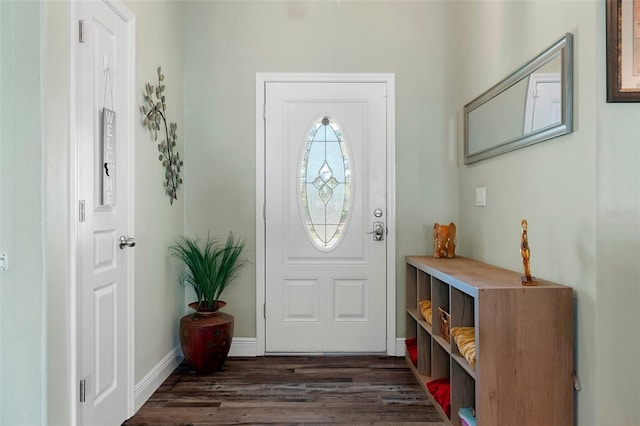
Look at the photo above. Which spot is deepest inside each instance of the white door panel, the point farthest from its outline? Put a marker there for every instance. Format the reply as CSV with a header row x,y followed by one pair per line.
x,y
104,79
298,246
543,104
329,298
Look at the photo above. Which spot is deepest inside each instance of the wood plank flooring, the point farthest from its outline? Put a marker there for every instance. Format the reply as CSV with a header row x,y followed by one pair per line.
x,y
293,391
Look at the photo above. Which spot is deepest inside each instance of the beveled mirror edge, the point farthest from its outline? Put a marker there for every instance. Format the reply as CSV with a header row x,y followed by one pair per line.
x,y
564,46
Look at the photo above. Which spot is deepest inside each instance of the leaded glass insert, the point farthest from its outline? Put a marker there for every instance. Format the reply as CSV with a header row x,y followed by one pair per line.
x,y
325,184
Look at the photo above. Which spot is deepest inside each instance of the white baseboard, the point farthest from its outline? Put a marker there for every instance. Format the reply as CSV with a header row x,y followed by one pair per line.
x,y
158,374
400,347
244,347
247,347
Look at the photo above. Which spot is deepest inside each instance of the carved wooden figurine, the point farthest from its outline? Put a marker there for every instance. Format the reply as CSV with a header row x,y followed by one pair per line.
x,y
527,279
444,244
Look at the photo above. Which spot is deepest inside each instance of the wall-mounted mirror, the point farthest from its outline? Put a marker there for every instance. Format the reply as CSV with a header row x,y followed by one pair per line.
x,y
533,104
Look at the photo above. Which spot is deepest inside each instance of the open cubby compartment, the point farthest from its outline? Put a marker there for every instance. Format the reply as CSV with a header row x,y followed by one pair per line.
x,y
463,391
440,362
462,310
439,299
411,328
440,365
424,352
424,293
411,295
424,286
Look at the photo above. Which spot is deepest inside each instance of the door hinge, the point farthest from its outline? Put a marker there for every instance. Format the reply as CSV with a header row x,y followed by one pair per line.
x,y
83,390
4,262
264,212
264,112
264,310
81,31
81,212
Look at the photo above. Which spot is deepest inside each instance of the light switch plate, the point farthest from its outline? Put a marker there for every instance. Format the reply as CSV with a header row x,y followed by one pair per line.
x,y
481,196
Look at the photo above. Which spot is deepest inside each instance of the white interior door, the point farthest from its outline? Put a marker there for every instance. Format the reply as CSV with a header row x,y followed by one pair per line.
x,y
544,101
325,192
105,80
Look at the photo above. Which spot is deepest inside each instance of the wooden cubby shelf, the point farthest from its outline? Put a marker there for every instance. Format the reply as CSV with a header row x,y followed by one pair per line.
x,y
523,371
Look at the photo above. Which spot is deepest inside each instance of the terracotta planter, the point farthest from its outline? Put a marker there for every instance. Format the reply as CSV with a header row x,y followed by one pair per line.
x,y
205,337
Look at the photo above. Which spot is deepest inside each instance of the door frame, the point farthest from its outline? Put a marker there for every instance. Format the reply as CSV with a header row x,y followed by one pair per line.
x,y
261,80
73,284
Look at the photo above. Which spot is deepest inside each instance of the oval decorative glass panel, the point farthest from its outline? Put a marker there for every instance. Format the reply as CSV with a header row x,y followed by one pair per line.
x,y
325,185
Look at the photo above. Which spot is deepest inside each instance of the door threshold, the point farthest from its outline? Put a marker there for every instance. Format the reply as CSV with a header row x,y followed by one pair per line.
x,y
327,354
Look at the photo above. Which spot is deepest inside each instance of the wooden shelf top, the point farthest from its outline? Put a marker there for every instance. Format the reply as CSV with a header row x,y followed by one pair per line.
x,y
470,275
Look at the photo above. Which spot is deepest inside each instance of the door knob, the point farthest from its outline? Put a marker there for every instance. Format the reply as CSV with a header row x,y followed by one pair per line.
x,y
378,231
127,242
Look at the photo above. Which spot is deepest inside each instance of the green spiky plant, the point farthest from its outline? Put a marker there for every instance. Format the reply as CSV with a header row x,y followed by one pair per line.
x,y
210,266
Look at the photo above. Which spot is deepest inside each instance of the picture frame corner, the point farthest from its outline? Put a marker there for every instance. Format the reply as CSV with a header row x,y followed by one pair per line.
x,y
618,45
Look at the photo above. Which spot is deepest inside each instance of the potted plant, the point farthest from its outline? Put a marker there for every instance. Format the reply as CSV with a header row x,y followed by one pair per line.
x,y
209,267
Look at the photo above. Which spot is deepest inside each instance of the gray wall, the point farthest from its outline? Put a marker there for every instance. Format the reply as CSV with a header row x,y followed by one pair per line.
x,y
578,192
159,298
229,42
22,291
56,195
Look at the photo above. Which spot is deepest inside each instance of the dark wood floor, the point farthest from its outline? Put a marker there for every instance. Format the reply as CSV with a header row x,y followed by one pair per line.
x,y
292,390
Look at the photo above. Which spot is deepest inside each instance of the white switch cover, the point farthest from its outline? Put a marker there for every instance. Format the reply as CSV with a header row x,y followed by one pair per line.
x,y
481,196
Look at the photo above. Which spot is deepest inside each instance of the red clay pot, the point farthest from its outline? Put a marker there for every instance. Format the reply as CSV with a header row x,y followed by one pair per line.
x,y
205,337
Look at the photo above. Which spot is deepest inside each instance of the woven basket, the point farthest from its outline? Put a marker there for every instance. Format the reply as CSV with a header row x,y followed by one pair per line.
x,y
445,322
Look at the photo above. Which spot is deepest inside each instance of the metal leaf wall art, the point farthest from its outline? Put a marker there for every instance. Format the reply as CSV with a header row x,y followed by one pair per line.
x,y
154,117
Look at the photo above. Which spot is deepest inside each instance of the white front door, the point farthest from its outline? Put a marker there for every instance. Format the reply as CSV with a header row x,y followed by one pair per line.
x,y
325,196
105,114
